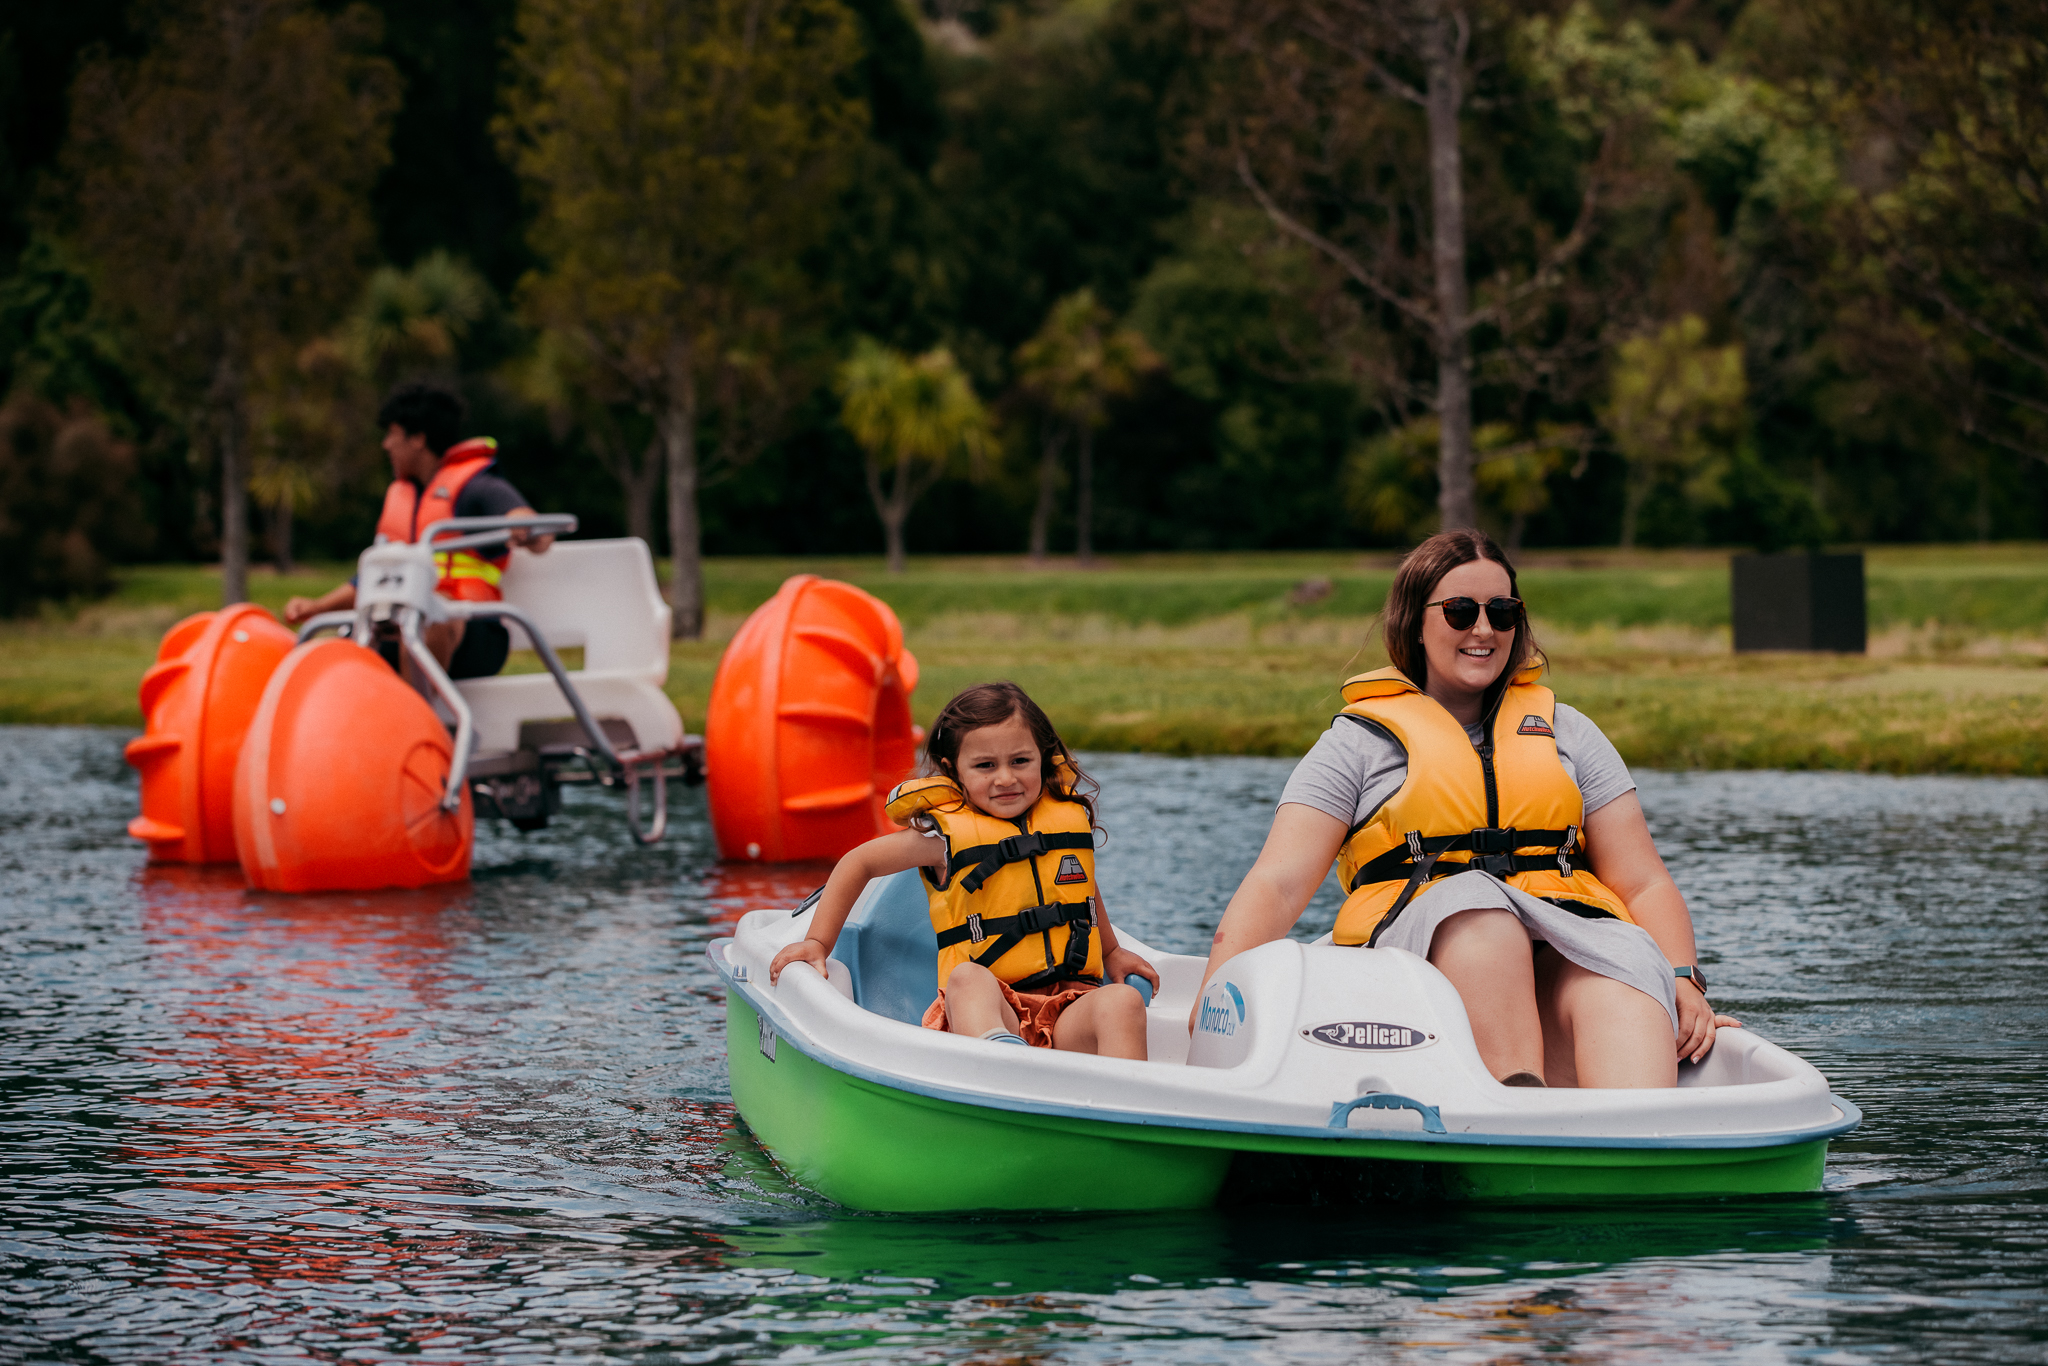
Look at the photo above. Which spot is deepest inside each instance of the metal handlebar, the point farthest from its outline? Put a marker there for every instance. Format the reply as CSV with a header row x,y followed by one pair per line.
x,y
471,532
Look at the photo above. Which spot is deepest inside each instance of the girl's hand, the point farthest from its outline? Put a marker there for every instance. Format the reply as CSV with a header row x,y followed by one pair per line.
x,y
802,951
1697,1023
1120,963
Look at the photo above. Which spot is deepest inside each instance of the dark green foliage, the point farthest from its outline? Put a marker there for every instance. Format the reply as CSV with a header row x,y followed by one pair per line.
x,y
68,504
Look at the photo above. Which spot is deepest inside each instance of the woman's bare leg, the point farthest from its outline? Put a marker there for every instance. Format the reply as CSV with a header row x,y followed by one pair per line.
x,y
1108,1020
1487,957
1600,1032
974,1002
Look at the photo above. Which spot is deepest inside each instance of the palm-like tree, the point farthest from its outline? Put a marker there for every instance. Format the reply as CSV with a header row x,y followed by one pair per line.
x,y
1075,365
914,417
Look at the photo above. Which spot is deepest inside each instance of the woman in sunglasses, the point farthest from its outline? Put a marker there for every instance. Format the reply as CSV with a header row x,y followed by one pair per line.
x,y
1477,821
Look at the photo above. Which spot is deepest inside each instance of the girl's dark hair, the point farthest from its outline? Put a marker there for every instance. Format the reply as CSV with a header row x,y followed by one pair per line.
x,y
991,704
1421,570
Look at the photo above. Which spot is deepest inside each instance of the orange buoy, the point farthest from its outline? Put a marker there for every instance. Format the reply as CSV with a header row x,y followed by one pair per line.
x,y
197,702
809,724
341,780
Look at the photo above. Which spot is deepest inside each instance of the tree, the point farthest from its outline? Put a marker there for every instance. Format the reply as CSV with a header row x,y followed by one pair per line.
x,y
67,502
1075,365
915,419
221,188
1346,122
1675,412
681,154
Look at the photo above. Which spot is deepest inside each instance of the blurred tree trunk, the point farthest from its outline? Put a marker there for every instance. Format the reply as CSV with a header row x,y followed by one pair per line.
x,y
1084,498
678,425
281,536
1055,436
1445,35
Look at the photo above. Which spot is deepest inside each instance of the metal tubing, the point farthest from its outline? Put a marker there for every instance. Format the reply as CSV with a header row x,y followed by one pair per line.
x,y
654,832
324,621
465,726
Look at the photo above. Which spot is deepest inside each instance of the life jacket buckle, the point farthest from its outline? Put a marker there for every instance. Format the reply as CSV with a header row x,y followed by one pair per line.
x,y
1017,848
1493,850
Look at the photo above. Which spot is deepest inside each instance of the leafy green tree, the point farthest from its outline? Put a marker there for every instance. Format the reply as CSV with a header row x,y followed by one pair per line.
x,y
68,504
1077,363
221,190
1388,481
916,418
680,154
1393,139
1675,411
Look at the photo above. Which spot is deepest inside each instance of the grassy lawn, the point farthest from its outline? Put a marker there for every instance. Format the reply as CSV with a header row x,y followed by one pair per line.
x,y
1242,653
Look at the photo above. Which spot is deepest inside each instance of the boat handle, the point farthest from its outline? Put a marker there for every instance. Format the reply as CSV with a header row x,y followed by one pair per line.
x,y
1340,1111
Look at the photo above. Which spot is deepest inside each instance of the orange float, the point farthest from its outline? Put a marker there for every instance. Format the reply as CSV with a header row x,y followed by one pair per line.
x,y
341,780
809,724
197,702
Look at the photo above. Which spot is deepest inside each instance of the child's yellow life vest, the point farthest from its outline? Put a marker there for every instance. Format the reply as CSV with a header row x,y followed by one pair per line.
x,y
1507,807
1016,896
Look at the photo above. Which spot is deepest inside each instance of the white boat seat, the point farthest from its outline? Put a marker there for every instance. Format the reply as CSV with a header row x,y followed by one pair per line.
x,y
889,948
601,596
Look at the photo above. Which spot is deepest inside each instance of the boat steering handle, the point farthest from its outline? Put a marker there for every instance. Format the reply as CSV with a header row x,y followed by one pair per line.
x,y
1340,1112
467,533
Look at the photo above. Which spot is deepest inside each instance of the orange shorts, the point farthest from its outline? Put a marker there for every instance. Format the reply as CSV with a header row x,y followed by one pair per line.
x,y
1036,1015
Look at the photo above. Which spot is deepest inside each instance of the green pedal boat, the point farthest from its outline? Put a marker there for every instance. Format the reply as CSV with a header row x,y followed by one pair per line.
x,y
1308,1062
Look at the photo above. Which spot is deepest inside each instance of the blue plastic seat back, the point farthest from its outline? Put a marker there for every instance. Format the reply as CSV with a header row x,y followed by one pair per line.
x,y
890,951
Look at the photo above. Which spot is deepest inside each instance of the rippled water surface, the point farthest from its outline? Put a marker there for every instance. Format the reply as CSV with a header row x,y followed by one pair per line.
x,y
491,1121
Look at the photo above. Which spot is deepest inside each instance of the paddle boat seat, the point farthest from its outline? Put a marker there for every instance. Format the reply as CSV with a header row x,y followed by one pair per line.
x,y
888,949
601,596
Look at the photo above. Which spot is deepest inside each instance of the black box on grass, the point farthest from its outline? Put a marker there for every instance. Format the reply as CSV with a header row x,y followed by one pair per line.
x,y
1800,602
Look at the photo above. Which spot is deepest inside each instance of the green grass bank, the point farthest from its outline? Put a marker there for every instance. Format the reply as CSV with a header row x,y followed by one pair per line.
x,y
1243,653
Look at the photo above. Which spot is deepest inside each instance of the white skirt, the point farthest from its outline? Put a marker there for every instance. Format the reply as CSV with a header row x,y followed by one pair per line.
x,y
1612,948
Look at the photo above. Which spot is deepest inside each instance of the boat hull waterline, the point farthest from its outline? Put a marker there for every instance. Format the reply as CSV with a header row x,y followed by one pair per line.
x,y
875,1113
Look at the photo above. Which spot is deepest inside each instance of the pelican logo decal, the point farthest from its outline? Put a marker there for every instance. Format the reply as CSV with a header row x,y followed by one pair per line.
x,y
1070,869
1221,1014
1366,1034
1535,725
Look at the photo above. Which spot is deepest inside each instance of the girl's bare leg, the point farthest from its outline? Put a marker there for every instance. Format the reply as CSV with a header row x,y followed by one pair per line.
x,y
1486,955
1108,1020
1600,1032
974,1002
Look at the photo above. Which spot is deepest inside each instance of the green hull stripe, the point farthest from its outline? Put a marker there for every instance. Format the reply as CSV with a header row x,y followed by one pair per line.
x,y
875,1147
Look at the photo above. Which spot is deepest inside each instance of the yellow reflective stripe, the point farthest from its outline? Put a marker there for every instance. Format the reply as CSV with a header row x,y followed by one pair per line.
x,y
463,564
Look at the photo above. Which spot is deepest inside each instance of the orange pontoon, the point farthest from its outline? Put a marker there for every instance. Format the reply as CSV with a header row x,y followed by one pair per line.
x,y
809,724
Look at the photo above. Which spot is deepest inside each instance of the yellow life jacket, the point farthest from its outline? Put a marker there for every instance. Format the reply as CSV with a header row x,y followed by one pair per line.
x,y
1506,807
1016,896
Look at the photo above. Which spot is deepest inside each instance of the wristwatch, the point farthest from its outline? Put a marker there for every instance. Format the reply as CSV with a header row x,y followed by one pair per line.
x,y
1692,972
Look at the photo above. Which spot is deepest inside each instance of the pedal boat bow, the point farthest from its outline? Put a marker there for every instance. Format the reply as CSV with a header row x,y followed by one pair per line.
x,y
1301,1051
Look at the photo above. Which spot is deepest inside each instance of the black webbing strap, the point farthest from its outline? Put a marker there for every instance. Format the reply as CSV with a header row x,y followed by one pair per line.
x,y
1492,851
1005,932
988,859
1032,919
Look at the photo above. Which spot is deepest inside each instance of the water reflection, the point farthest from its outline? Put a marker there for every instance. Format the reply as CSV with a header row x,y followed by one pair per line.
x,y
490,1121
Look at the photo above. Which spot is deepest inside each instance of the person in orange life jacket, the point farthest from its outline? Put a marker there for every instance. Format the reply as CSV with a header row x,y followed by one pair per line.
x,y
1453,792
433,477
1000,774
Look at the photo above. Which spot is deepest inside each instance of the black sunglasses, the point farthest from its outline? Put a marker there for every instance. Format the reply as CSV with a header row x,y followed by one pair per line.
x,y
1462,614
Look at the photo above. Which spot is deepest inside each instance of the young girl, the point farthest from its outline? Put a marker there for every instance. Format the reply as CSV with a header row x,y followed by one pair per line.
x,y
1003,835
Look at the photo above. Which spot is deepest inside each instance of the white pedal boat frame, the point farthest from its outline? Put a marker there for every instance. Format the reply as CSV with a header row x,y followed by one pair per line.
x,y
1304,1051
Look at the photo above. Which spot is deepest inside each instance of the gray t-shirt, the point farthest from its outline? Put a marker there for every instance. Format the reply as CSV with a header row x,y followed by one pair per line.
x,y
1352,769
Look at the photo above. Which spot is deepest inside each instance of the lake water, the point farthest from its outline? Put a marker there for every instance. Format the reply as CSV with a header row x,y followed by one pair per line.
x,y
491,1121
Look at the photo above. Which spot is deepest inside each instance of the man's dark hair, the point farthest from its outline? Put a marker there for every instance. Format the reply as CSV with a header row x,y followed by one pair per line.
x,y
424,410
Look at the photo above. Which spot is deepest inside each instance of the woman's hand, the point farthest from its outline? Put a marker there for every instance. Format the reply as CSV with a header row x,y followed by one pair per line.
x,y
802,951
1120,963
1697,1023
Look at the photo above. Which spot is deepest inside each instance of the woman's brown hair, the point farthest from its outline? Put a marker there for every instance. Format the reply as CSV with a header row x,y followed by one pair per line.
x,y
1421,570
991,704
